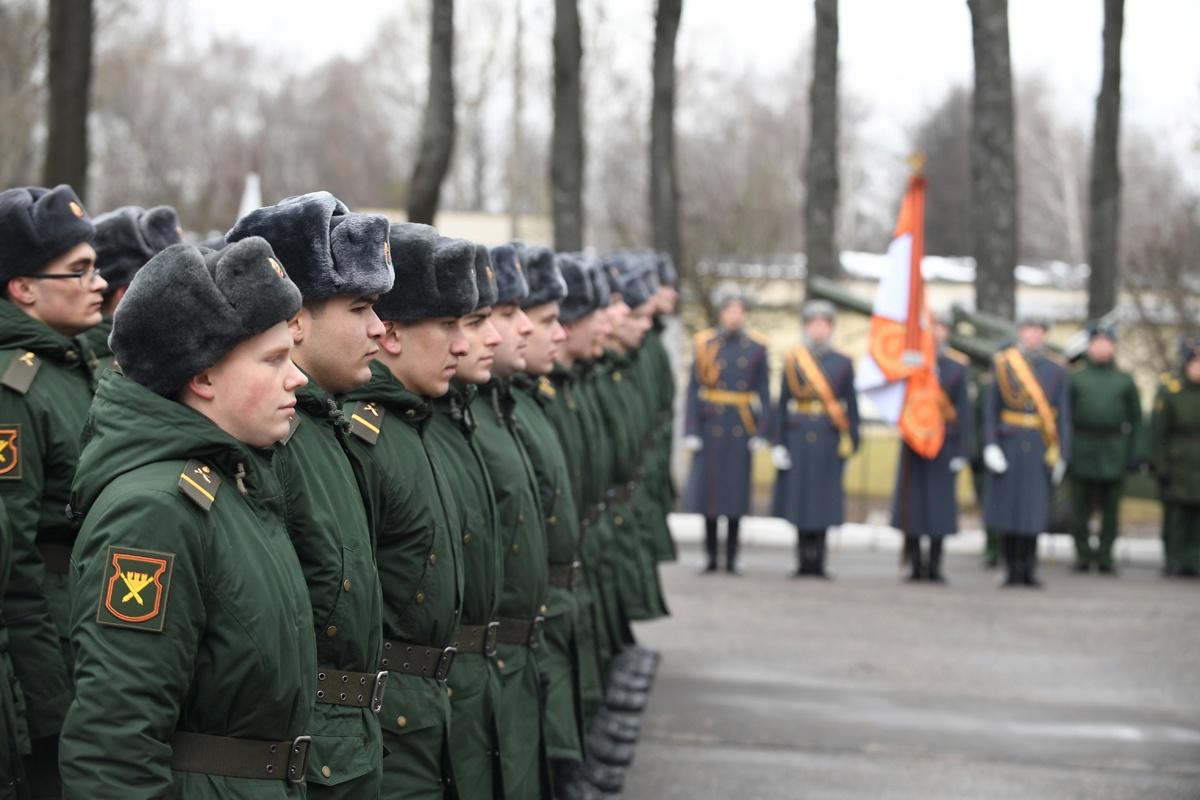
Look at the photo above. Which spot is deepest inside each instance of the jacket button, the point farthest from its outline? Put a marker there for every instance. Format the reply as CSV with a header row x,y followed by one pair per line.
x,y
346,585
466,538
558,492
331,631
500,663
521,518
552,520
619,519
71,355
401,721
543,610
420,598
410,413
516,548
432,558
326,771
449,692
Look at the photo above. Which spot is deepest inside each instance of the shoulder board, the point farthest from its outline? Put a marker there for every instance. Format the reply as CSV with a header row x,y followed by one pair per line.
x,y
199,483
758,337
546,388
1166,378
21,372
366,420
959,356
293,424
1174,387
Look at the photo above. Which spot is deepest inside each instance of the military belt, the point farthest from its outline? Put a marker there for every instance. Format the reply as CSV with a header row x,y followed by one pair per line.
x,y
742,401
479,639
814,408
354,689
240,758
565,576
56,557
1021,419
526,632
416,659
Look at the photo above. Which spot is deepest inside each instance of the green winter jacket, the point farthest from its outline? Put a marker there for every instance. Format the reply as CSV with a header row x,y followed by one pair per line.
x,y
327,520
1175,440
14,738
188,609
1106,421
45,392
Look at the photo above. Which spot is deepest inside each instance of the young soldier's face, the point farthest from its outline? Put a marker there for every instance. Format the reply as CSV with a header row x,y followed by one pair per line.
x,y
430,353
482,341
818,330
618,317
547,336
1031,337
1192,370
66,295
514,329
337,339
732,316
251,392
602,328
635,326
1101,349
579,341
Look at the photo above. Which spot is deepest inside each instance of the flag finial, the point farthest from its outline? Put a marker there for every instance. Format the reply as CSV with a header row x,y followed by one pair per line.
x,y
916,163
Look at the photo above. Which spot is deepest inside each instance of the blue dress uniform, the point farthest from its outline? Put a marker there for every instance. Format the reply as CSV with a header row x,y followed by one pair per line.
x,y
728,399
1017,503
810,494
924,501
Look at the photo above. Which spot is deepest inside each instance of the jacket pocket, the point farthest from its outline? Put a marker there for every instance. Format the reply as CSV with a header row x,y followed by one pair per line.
x,y
345,744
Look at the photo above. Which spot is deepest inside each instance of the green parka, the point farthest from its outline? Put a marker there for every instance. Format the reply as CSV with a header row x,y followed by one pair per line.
x,y
1175,440
14,738
1106,421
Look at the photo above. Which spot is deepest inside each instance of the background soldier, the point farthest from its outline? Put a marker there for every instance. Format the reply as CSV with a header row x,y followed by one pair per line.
x,y
190,618
1106,420
1026,426
52,292
728,398
816,430
1175,458
924,499
341,262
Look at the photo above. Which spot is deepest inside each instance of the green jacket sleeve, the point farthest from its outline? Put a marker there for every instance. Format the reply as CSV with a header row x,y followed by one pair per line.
x,y
1155,444
1133,410
131,684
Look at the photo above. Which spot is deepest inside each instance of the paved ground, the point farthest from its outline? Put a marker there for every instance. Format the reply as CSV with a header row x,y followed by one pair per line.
x,y
869,688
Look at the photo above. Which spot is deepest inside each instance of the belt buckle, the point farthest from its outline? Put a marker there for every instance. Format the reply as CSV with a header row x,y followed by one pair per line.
x,y
491,636
381,679
297,759
445,661
535,632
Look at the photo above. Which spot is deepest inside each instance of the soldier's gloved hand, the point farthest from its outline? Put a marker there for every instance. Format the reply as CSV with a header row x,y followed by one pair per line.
x,y
994,458
1059,472
692,444
781,458
757,443
958,464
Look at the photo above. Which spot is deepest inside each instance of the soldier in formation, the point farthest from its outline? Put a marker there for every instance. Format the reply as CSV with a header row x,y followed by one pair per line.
x,y
1175,460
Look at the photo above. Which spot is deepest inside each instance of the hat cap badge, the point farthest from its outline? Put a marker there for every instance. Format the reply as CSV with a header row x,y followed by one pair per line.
x,y
76,209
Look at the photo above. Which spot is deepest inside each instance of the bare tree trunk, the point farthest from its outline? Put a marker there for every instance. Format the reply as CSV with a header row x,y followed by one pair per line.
x,y
516,160
821,169
664,183
566,155
70,79
993,161
437,128
1105,196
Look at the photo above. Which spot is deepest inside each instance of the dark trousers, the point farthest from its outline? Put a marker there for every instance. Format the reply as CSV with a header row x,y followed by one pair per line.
x,y
1088,497
1182,538
732,525
919,566
1020,557
810,552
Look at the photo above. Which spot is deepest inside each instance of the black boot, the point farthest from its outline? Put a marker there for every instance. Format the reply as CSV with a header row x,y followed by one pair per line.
x,y
801,555
819,557
609,778
568,785
710,543
731,545
935,560
912,550
1010,545
618,727
1029,563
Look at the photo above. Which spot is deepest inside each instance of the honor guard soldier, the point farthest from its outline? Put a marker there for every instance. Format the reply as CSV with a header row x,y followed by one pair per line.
x,y
924,501
728,399
341,262
52,292
1026,434
815,432
125,240
421,517
190,620
1175,459
1106,421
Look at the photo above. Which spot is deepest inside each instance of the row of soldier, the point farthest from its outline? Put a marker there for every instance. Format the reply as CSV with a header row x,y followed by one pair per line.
x,y
1023,426
348,504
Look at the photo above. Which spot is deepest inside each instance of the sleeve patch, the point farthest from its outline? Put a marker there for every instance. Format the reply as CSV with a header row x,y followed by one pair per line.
x,y
134,589
10,452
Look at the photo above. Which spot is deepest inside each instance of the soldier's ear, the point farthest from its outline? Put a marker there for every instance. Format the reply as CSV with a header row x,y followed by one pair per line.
x,y
201,386
20,291
392,341
298,325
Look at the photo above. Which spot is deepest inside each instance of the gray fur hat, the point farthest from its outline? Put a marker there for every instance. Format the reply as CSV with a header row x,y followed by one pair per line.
x,y
326,249
128,237
511,284
187,308
614,265
546,284
1034,321
38,225
667,274
728,293
1099,328
599,278
818,309
485,277
581,292
647,266
634,288
435,276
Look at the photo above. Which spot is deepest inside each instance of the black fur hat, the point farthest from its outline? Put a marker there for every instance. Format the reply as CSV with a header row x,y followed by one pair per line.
x,y
667,274
326,249
435,275
599,276
546,283
37,226
128,237
188,307
511,285
581,293
485,277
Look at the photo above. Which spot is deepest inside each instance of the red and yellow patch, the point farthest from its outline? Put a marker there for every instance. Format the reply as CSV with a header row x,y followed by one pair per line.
x,y
133,592
10,452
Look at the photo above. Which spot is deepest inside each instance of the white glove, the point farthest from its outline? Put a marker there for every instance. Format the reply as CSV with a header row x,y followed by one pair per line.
x,y
781,458
958,464
994,458
757,443
692,444
1059,472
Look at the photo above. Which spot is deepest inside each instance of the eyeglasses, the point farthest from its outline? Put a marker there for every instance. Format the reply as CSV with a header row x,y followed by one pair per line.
x,y
86,278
